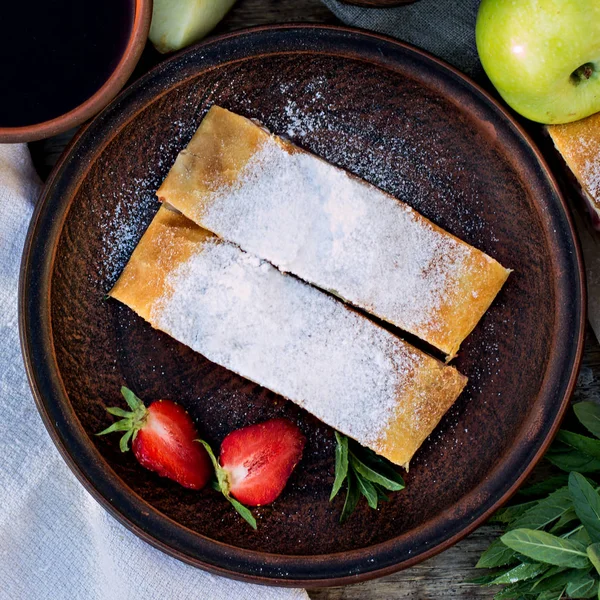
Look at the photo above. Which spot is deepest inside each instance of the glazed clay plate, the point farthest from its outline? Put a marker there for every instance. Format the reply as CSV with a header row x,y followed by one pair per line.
x,y
403,121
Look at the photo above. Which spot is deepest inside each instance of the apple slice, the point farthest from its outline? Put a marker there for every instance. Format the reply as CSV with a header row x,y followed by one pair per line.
x,y
179,23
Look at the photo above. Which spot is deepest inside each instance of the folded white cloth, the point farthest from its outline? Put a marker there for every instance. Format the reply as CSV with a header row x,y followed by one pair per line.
x,y
55,541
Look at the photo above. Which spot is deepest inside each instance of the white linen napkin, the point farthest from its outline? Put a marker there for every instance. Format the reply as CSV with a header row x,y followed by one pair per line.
x,y
56,542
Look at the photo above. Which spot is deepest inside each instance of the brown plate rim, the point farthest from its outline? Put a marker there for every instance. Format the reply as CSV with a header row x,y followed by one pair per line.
x,y
97,101
99,478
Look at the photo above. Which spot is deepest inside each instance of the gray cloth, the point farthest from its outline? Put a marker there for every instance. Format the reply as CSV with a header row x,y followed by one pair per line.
x,y
446,28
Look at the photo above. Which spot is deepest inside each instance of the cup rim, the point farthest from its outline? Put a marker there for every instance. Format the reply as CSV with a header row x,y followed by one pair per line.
x,y
97,101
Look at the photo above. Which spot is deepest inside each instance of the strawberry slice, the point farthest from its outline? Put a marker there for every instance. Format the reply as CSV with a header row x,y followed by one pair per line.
x,y
163,440
259,459
255,463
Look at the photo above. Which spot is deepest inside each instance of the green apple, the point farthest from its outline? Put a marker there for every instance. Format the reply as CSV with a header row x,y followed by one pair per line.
x,y
179,23
543,56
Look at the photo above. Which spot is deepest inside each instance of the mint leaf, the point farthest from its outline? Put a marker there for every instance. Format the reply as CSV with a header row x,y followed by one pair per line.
x,y
587,504
381,493
552,594
368,473
352,496
514,590
368,490
582,586
365,473
593,552
510,513
378,464
574,452
520,573
569,459
546,486
497,555
566,519
545,511
588,414
552,572
341,464
547,548
483,580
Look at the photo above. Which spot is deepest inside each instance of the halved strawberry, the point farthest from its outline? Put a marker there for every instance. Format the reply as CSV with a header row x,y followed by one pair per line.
x,y
164,440
255,463
259,459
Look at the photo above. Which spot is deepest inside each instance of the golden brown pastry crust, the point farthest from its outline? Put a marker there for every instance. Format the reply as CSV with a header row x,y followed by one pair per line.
x,y
213,160
171,239
579,144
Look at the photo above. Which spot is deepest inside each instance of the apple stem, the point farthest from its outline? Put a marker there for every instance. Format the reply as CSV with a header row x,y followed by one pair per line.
x,y
583,73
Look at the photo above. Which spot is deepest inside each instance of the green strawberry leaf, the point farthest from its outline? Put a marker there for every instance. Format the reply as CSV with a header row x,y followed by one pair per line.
x,y
243,511
497,555
131,420
341,464
588,414
132,400
222,485
123,425
547,548
118,412
124,441
587,504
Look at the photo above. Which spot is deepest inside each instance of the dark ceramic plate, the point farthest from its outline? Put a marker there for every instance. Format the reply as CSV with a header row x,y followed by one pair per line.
x,y
403,121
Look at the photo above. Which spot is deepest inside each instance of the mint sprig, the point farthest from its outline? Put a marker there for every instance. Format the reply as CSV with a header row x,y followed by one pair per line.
x,y
550,548
221,484
365,474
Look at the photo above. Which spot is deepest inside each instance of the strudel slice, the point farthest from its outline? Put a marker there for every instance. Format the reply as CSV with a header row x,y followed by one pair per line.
x,y
579,144
242,313
331,229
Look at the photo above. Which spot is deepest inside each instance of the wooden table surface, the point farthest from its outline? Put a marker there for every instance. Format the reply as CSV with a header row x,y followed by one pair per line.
x,y
444,575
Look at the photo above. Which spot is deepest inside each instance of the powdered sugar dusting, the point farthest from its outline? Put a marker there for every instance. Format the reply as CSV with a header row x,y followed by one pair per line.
x,y
339,233
240,312
590,173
